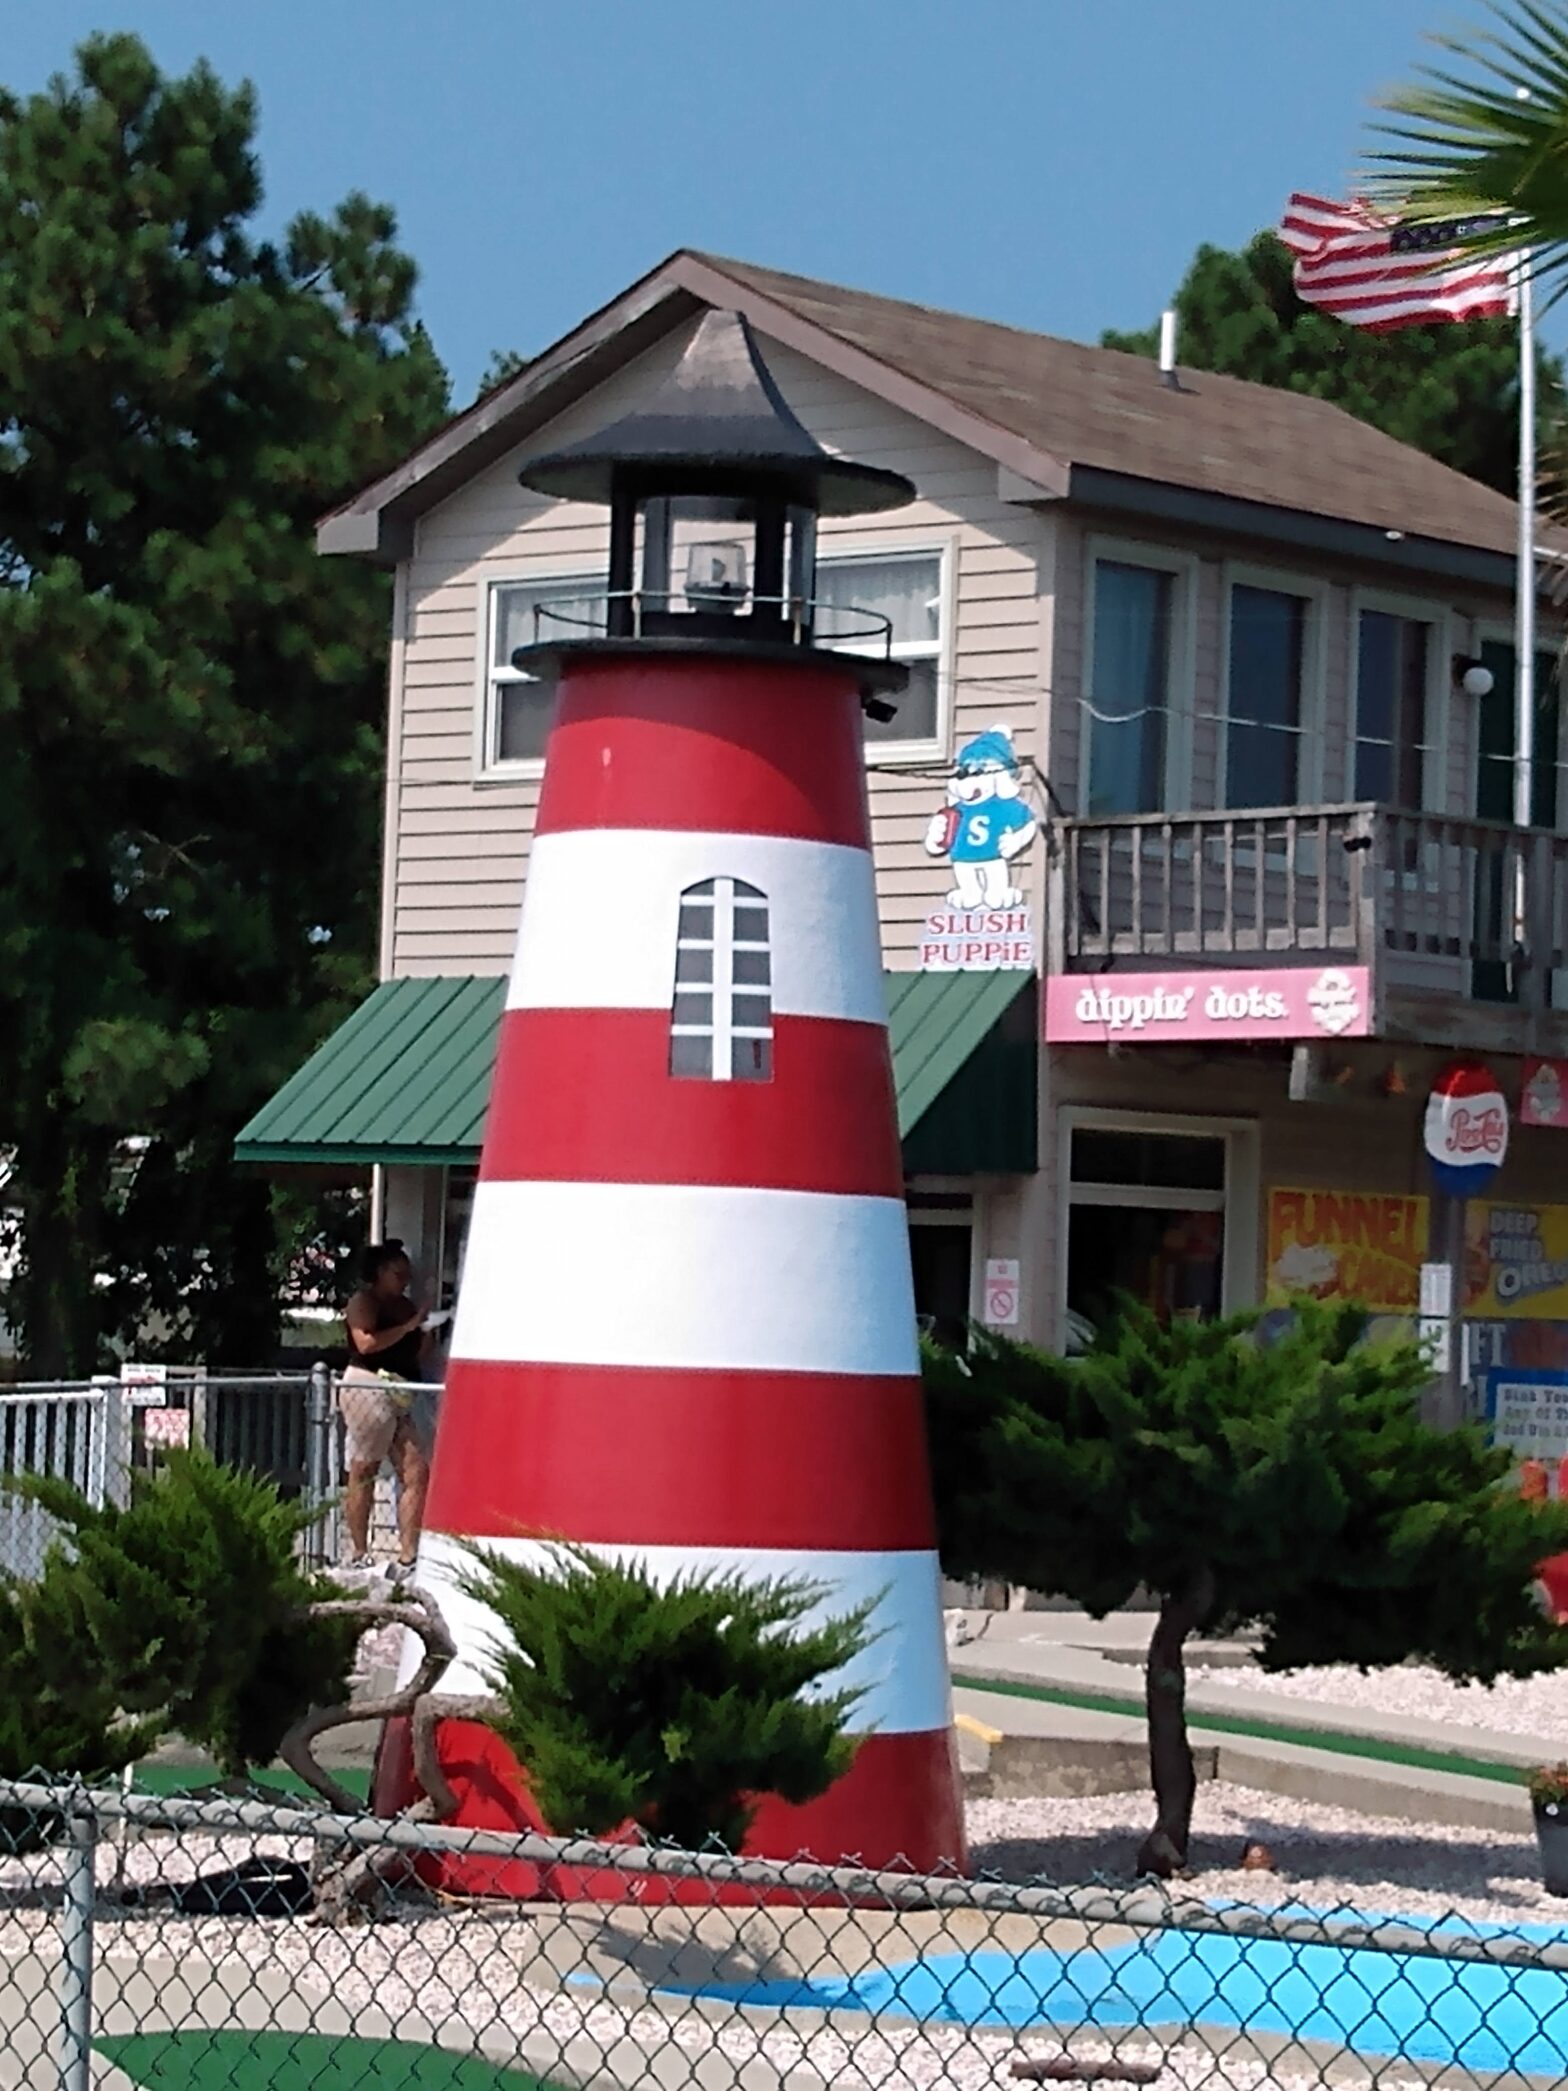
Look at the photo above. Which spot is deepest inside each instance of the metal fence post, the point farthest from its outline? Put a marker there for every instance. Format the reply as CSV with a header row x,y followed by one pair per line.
x,y
76,1954
318,1464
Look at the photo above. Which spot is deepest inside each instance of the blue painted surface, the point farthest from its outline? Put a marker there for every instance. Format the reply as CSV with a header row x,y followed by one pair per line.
x,y
1373,2003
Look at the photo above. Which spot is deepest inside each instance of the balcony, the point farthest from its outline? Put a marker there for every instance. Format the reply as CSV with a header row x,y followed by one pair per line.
x,y
1427,902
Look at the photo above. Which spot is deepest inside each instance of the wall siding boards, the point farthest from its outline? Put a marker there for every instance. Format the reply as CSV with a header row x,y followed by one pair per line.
x,y
460,842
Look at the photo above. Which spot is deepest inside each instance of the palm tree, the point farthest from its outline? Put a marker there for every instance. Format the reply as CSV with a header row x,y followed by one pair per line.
x,y
1485,132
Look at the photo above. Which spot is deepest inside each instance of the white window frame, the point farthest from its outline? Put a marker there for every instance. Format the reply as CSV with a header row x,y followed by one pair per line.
x,y
832,551
489,768
1239,1200
1181,675
727,895
1439,680
1314,593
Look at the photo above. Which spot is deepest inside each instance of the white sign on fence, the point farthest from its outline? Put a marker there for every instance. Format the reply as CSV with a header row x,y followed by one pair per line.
x,y
1001,1292
144,1384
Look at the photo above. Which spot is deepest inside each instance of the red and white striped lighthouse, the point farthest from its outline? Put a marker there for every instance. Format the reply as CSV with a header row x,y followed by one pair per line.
x,y
686,1329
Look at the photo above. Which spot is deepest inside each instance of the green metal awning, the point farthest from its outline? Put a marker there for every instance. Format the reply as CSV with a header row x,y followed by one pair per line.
x,y
407,1078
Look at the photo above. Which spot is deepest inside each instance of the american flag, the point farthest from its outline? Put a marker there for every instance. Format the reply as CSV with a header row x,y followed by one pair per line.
x,y
1375,273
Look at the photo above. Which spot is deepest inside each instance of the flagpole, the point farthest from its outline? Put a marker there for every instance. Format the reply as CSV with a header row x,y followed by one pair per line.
x,y
1524,580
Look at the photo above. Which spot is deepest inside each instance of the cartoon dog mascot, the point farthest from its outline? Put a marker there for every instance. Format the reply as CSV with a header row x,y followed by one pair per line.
x,y
985,823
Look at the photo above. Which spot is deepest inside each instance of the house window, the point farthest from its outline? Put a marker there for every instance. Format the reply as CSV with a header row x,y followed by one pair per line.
x,y
518,705
1268,633
1392,657
1130,683
721,1017
906,588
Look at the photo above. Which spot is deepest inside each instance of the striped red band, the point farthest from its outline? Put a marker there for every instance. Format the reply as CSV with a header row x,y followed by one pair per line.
x,y
899,1800
752,748
586,1096
643,1457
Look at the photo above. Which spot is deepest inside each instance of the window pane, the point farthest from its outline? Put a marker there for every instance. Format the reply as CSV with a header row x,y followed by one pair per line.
x,y
693,965
751,1059
1168,1161
693,1009
915,718
1391,681
522,719
1495,723
696,921
1131,688
1267,640
907,591
517,625
751,1012
691,1056
751,925
751,969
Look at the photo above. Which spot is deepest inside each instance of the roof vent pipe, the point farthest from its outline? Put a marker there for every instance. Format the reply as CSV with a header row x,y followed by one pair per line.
x,y
1168,347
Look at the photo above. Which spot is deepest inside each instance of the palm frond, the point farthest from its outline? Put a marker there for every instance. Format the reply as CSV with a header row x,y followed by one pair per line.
x,y
1485,130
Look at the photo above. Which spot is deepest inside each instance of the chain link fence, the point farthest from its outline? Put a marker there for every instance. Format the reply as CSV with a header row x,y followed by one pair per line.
x,y
221,1944
95,1433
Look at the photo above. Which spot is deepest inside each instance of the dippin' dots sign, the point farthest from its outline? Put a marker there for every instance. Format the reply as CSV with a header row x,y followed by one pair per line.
x,y
1278,1004
977,940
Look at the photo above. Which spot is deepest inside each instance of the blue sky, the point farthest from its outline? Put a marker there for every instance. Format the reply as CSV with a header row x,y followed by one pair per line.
x,y
1050,163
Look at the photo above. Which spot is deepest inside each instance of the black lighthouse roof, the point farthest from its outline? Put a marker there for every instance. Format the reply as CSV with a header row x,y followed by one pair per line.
x,y
717,423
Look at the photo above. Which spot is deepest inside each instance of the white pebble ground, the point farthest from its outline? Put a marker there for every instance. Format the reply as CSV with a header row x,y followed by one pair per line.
x,y
1524,1706
1326,1857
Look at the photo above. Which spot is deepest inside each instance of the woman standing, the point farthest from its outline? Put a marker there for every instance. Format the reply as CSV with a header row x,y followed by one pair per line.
x,y
388,1343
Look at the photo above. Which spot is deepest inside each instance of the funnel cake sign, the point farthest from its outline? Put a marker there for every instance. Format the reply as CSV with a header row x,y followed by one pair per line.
x,y
1292,1002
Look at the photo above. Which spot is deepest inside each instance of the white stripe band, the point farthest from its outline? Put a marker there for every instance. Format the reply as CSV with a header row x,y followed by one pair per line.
x,y
692,1276
601,906
903,1674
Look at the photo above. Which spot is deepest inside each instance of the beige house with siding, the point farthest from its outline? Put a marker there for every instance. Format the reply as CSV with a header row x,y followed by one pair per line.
x,y
1226,630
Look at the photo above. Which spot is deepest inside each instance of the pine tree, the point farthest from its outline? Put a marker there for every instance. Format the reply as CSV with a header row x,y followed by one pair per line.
x,y
59,1715
670,1708
1451,391
190,699
1285,1485
192,1607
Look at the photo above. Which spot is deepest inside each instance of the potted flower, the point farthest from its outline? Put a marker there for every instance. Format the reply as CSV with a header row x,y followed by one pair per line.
x,y
1549,1798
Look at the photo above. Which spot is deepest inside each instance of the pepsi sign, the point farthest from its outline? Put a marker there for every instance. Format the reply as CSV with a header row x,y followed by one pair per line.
x,y
1466,1129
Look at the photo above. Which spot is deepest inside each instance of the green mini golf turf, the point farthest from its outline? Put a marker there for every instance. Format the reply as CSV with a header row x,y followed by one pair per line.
x,y
164,1779
234,2060
1368,1746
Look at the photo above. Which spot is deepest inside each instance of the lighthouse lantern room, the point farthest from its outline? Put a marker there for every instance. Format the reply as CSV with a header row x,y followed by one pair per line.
x,y
685,1330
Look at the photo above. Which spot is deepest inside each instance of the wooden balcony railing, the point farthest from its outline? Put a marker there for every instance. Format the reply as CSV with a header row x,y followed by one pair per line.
x,y
1432,901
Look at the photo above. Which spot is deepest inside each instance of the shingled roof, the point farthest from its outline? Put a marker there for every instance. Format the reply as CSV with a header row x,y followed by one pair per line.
x,y
1067,419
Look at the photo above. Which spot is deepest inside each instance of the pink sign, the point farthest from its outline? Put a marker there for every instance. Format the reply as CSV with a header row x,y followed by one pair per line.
x,y
1145,1008
1543,1095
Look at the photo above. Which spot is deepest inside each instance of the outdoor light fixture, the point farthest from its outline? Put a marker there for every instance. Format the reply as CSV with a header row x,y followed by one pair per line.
x,y
1473,676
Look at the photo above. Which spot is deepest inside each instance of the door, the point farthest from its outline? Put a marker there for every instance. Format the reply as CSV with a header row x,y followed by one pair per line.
x,y
1145,1222
1491,974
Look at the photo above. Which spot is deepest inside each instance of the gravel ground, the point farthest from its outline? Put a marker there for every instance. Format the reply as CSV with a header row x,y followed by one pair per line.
x,y
466,1962
1523,1706
1327,1857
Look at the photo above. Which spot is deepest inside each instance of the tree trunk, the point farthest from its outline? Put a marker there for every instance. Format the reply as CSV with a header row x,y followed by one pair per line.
x,y
54,1303
1164,1850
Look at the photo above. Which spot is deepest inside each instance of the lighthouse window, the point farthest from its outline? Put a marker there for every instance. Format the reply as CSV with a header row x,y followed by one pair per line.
x,y
721,1014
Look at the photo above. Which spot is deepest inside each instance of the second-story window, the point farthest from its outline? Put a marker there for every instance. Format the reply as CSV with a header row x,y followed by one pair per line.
x,y
906,588
1129,687
1393,656
721,1016
518,704
1265,699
